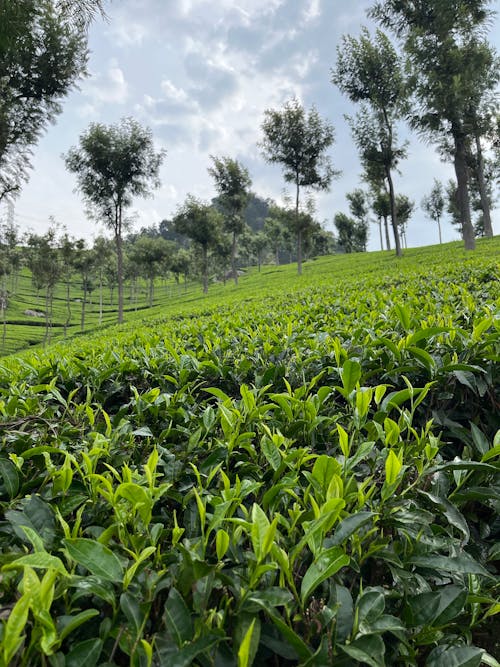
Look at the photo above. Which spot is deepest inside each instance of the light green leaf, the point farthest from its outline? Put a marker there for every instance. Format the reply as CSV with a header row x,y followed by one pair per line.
x,y
221,543
392,468
350,374
249,645
271,452
40,560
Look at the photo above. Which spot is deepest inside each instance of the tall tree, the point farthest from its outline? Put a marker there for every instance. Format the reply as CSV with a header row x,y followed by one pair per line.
x,y
433,204
232,182
42,55
371,72
405,208
103,255
151,256
81,12
299,141
481,120
113,164
67,256
202,224
440,38
43,261
358,207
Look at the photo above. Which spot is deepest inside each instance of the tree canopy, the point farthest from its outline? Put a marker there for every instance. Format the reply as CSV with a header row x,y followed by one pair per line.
x,y
114,164
42,55
299,141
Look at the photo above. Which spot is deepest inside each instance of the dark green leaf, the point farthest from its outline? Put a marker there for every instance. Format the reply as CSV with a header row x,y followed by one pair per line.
x,y
85,653
455,656
326,565
178,618
94,556
369,649
348,526
9,477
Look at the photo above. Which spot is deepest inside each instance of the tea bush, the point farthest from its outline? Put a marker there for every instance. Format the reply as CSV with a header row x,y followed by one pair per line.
x,y
310,477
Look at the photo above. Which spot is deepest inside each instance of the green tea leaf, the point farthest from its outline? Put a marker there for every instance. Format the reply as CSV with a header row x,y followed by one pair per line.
x,y
67,624
178,618
185,657
459,564
40,560
455,656
350,525
392,468
326,565
271,452
350,375
85,653
9,477
95,557
437,607
369,649
249,645
221,543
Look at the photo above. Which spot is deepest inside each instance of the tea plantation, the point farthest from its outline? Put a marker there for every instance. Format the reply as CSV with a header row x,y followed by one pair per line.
x,y
294,471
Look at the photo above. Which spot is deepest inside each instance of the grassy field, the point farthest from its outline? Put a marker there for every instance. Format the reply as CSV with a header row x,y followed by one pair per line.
x,y
290,471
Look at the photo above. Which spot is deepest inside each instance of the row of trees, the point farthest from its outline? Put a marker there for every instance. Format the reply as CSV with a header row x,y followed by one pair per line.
x,y
198,243
443,83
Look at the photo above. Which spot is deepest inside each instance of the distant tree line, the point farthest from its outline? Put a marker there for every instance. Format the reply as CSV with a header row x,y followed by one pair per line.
x,y
440,76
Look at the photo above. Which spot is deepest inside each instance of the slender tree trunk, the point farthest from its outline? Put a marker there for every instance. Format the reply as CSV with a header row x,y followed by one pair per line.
x,y
380,233
483,192
299,231
100,297
387,237
233,259
68,308
439,229
205,269
461,172
82,319
46,339
119,258
394,219
3,309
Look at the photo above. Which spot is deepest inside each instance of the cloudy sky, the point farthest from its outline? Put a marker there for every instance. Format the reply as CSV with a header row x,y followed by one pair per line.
x,y
200,74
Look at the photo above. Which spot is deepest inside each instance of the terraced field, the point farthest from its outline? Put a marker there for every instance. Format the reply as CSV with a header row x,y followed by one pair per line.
x,y
292,471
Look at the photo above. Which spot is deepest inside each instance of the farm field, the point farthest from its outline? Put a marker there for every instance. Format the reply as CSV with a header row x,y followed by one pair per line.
x,y
290,471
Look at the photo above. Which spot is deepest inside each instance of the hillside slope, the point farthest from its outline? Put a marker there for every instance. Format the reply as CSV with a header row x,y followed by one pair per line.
x,y
291,471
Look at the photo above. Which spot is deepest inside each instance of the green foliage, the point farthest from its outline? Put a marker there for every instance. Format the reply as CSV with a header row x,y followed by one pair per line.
x,y
41,57
113,164
299,140
308,478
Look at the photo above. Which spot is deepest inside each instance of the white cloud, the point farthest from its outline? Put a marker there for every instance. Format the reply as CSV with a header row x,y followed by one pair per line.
x,y
313,10
109,87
